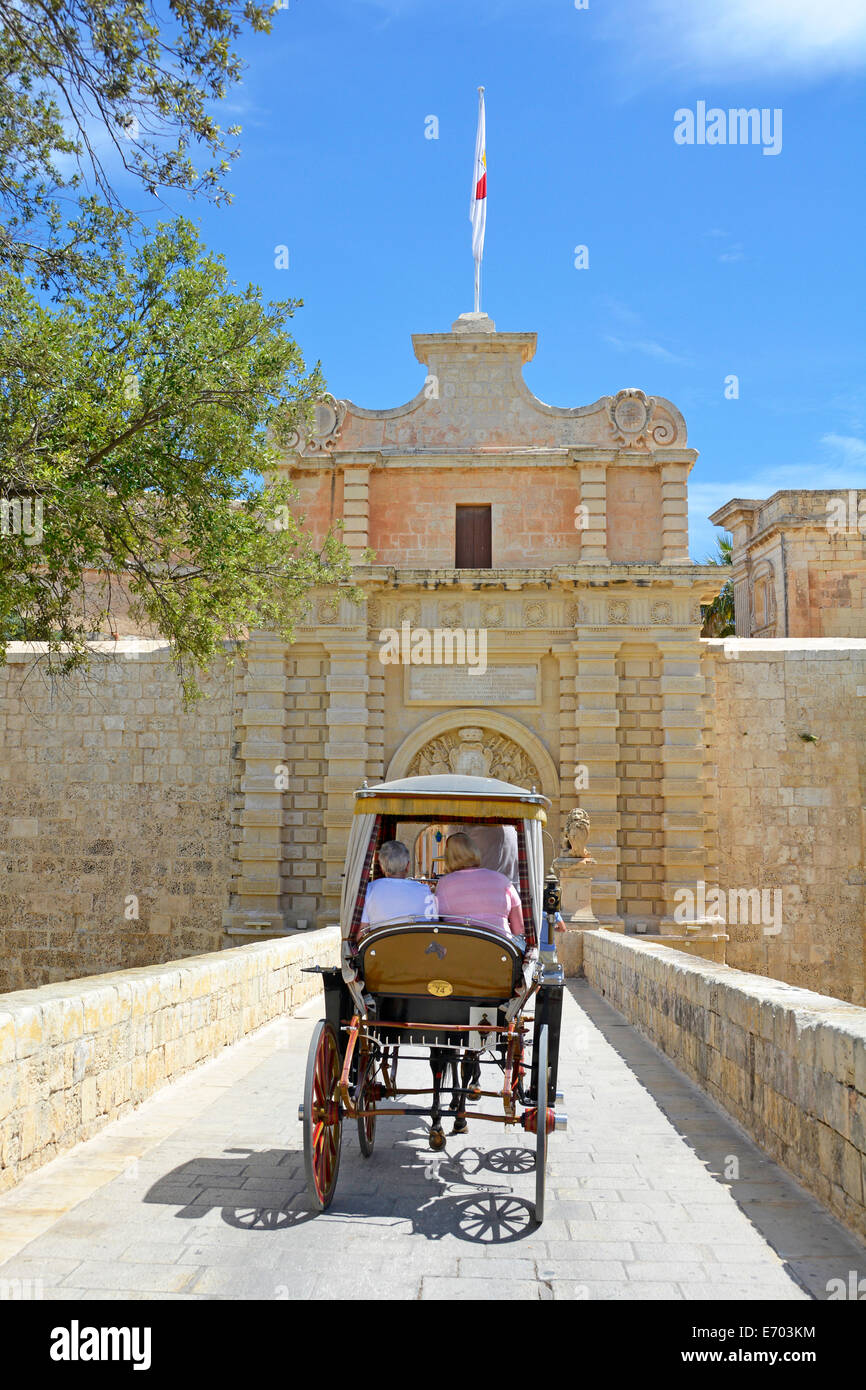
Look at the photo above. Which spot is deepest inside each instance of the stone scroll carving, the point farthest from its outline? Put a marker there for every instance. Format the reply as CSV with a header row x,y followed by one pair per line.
x,y
329,414
475,752
636,420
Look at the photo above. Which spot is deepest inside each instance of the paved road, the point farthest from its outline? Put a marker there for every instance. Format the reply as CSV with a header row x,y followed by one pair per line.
x,y
200,1194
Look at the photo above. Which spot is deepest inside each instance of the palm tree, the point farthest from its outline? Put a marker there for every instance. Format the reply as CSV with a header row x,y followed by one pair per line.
x,y
718,616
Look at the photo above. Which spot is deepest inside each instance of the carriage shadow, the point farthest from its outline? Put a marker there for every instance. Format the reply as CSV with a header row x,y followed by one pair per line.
x,y
266,1191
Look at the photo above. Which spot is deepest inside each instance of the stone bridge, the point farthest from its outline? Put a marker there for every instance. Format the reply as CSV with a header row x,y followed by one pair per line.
x,y
150,1146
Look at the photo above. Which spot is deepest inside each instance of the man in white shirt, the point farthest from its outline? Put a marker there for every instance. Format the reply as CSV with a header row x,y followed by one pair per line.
x,y
396,897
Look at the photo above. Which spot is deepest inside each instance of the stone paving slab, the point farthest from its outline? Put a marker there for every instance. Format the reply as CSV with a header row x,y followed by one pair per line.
x,y
200,1194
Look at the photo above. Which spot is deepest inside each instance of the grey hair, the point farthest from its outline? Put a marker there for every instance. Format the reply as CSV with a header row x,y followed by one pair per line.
x,y
394,859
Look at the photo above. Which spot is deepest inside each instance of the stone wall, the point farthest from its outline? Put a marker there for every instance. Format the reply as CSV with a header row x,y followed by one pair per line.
x,y
789,1065
115,835
791,811
75,1056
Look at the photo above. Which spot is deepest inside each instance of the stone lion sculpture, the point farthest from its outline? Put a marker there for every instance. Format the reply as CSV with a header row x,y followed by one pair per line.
x,y
576,833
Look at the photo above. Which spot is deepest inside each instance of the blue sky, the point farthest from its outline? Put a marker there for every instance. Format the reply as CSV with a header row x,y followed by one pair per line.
x,y
704,261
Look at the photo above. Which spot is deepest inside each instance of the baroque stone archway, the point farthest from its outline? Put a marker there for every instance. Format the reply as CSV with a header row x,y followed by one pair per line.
x,y
479,743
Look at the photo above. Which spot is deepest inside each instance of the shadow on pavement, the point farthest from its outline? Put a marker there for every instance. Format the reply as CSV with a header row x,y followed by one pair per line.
x,y
266,1191
792,1222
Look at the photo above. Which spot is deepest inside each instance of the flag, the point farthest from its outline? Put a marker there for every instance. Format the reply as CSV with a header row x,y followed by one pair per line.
x,y
478,205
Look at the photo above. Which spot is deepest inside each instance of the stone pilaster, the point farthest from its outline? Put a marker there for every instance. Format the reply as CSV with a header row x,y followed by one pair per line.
x,y
261,734
675,514
593,496
376,718
682,756
356,511
597,721
346,753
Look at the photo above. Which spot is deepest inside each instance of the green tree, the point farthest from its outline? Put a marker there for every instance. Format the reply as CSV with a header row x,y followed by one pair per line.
x,y
139,415
718,616
143,407
84,83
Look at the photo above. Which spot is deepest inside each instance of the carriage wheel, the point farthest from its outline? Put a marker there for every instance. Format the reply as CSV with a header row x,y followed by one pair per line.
x,y
541,1102
366,1073
323,1122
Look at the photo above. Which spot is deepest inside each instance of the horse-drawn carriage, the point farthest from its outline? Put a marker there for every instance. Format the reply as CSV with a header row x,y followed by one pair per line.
x,y
461,987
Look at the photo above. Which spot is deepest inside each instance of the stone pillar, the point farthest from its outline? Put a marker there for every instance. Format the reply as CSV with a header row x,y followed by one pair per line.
x,y
346,752
356,511
256,895
675,514
597,721
593,496
682,756
575,881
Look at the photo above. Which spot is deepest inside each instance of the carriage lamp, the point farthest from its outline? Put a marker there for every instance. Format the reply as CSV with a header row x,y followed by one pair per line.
x,y
552,894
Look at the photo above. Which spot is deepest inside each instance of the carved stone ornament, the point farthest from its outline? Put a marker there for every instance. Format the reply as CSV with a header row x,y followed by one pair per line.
x,y
494,614
328,609
661,612
534,614
409,613
575,832
374,613
617,611
474,752
451,614
631,412
329,414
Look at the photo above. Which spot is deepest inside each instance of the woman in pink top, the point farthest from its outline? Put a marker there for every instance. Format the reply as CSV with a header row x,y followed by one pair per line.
x,y
466,890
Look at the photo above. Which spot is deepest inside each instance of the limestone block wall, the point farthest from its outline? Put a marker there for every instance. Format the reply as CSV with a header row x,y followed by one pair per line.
x,y
75,1056
788,1064
792,812
115,845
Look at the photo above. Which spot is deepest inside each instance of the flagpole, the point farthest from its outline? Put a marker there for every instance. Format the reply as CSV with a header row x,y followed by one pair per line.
x,y
479,170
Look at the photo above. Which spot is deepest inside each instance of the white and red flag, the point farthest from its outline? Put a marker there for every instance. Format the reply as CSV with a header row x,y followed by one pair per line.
x,y
478,205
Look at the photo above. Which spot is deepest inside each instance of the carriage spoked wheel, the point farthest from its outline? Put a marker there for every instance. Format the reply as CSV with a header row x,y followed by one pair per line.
x,y
365,1101
323,1122
541,1102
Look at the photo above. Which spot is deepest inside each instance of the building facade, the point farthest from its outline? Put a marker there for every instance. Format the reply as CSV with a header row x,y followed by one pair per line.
x,y
799,563
524,606
553,540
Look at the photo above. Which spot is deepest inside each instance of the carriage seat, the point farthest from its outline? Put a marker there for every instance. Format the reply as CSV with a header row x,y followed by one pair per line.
x,y
440,959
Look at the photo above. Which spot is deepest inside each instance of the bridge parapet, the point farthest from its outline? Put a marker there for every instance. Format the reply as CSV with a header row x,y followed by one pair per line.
x,y
77,1055
788,1064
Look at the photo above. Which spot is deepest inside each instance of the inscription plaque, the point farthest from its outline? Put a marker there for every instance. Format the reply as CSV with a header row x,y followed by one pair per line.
x,y
460,685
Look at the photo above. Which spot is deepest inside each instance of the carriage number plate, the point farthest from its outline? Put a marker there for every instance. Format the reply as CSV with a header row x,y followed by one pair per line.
x,y
440,988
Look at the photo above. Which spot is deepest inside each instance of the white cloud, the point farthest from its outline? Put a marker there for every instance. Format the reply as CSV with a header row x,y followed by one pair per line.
x,y
630,334
742,38
852,449
645,346
837,474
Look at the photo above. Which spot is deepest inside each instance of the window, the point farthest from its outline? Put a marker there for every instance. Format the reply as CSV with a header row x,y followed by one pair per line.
x,y
474,547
